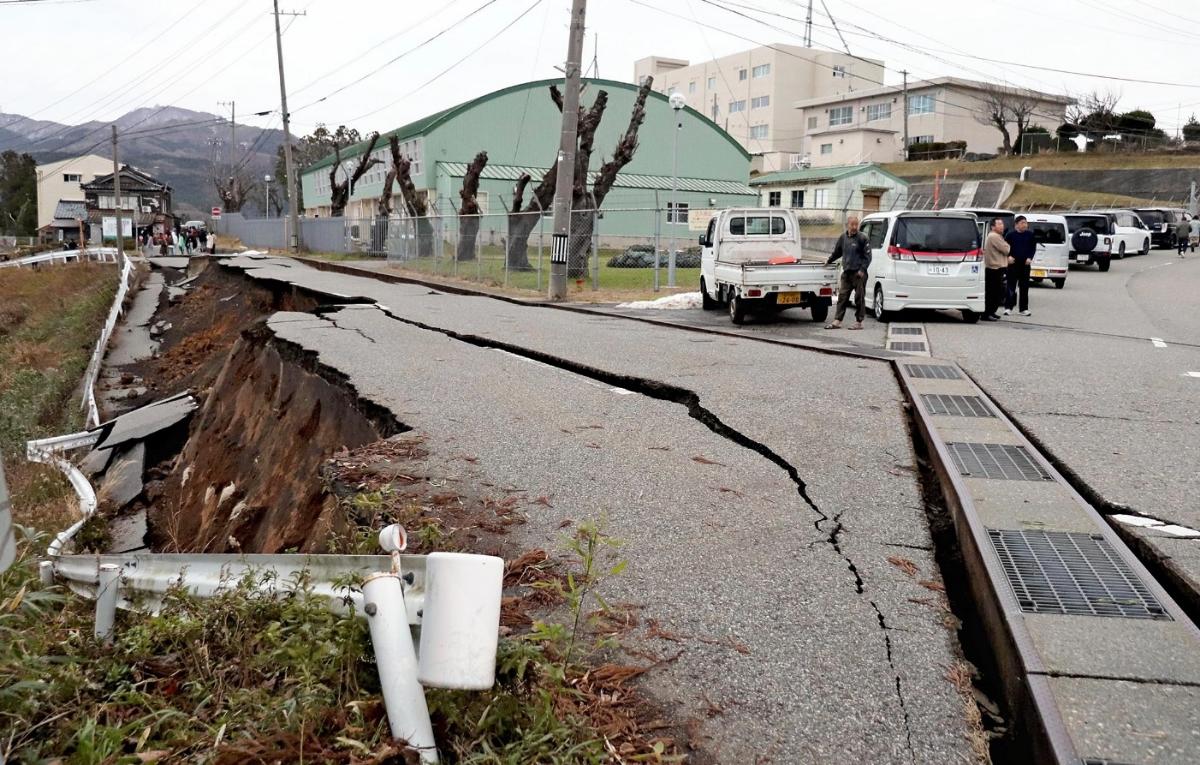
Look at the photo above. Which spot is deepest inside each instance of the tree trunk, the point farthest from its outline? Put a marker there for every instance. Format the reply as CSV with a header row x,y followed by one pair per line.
x,y
520,228
340,192
414,203
579,243
468,220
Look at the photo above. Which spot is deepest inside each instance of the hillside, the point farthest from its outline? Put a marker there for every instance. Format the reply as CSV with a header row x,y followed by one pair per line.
x,y
1011,166
182,156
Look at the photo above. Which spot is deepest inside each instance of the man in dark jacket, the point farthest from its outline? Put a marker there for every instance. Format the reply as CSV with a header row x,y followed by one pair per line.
x,y
853,248
1022,247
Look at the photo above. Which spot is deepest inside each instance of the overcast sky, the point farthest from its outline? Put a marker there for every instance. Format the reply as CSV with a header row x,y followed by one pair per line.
x,y
196,53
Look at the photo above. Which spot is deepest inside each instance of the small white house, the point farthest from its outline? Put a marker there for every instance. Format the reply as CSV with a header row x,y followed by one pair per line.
x,y
815,190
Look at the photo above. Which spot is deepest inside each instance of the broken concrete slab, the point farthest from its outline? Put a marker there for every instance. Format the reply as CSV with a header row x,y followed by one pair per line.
x,y
128,533
123,480
169,262
95,461
149,419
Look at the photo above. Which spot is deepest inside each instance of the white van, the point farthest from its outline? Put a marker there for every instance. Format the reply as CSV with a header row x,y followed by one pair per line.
x,y
924,260
1129,234
985,216
1052,259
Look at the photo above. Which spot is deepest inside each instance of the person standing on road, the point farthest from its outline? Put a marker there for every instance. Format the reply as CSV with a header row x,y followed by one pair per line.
x,y
1194,232
995,261
853,248
1022,248
1183,232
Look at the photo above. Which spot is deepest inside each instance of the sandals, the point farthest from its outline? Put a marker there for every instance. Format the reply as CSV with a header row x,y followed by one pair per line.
x,y
857,325
833,325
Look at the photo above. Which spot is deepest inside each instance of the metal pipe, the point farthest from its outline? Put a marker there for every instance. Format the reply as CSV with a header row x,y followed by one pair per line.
x,y
106,599
396,661
1025,170
46,573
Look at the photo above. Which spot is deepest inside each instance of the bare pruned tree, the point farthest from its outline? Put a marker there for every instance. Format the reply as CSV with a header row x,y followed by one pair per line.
x,y
340,191
383,208
995,109
468,213
414,204
234,190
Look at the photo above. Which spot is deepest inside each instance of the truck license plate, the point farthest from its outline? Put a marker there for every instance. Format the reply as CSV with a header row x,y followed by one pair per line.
x,y
787,298
1038,273
938,270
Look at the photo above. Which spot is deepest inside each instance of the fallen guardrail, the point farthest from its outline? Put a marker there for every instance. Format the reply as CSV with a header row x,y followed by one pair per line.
x,y
49,451
103,254
93,367
454,598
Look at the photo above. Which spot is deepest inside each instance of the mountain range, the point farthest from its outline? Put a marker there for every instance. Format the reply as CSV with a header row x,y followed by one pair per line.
x,y
178,146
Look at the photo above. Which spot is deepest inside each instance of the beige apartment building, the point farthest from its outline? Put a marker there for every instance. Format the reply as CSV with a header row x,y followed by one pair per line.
x,y
62,181
868,125
752,94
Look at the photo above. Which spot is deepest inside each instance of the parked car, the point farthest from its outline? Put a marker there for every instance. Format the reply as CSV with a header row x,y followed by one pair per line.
x,y
924,260
1091,239
1161,222
1129,234
752,261
642,256
1052,259
985,216
199,225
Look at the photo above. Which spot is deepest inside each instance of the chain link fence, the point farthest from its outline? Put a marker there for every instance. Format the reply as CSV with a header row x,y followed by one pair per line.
x,y
608,249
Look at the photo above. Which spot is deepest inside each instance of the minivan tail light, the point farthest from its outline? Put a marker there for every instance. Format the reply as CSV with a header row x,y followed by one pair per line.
x,y
895,253
972,256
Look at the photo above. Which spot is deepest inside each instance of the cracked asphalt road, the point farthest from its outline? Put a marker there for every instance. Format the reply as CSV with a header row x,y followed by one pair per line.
x,y
791,618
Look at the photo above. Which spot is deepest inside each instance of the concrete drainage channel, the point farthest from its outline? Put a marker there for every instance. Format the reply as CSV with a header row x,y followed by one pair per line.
x,y
1096,661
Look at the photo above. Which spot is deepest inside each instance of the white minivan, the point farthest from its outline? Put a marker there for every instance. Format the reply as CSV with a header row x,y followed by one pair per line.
x,y
924,260
1052,259
1129,234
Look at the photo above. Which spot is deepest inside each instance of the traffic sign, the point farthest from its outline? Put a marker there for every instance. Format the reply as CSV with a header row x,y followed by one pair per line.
x,y
216,213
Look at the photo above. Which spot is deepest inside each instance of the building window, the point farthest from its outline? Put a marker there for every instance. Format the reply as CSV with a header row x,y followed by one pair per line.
x,y
841,115
839,71
762,70
758,131
737,106
798,198
821,198
920,139
760,102
826,148
677,212
741,74
712,83
72,178
879,112
773,198
692,86
920,104
812,123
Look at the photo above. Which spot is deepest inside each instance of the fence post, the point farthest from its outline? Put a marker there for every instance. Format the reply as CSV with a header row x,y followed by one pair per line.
x,y
541,241
107,588
595,250
396,662
657,237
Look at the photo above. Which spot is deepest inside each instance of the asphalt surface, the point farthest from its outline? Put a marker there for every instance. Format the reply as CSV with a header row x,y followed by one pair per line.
x,y
814,651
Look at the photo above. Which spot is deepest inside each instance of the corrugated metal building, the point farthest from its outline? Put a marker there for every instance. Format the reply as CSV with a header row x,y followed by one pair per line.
x,y
519,128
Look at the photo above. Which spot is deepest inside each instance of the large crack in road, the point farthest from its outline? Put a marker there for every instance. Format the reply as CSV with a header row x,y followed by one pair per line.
x,y
690,400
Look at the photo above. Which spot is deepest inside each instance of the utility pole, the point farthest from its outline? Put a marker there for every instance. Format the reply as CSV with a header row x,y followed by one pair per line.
x,y
905,107
565,183
232,131
808,27
293,196
117,198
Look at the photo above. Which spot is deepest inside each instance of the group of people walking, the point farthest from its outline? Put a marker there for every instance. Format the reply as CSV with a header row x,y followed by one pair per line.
x,y
1007,259
181,241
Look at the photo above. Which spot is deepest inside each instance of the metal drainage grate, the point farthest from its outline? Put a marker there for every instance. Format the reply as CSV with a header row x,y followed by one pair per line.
x,y
1001,461
907,331
958,406
933,371
1074,574
902,346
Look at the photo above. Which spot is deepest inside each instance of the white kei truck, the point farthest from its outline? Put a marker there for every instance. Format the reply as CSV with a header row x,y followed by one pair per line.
x,y
752,262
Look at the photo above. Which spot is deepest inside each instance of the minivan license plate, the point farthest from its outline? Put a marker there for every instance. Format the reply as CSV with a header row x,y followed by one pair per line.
x,y
938,270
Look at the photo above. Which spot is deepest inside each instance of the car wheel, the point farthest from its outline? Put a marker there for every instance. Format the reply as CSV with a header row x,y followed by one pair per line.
x,y
1103,263
820,312
737,310
970,317
1145,248
1121,252
877,309
1059,283
706,302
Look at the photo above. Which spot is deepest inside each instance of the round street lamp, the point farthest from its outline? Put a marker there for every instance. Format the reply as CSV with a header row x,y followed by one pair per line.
x,y
267,199
677,102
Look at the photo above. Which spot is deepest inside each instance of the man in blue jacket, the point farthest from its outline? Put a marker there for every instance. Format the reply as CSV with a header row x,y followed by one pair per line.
x,y
1022,247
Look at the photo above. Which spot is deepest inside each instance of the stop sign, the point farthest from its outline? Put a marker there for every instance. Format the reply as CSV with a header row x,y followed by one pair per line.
x,y
216,213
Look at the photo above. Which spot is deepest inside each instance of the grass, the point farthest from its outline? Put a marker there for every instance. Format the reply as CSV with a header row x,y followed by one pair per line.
x,y
1052,161
1028,195
49,321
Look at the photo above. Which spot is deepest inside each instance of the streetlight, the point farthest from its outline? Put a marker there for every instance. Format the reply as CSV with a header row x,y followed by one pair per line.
x,y
348,168
677,102
267,199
